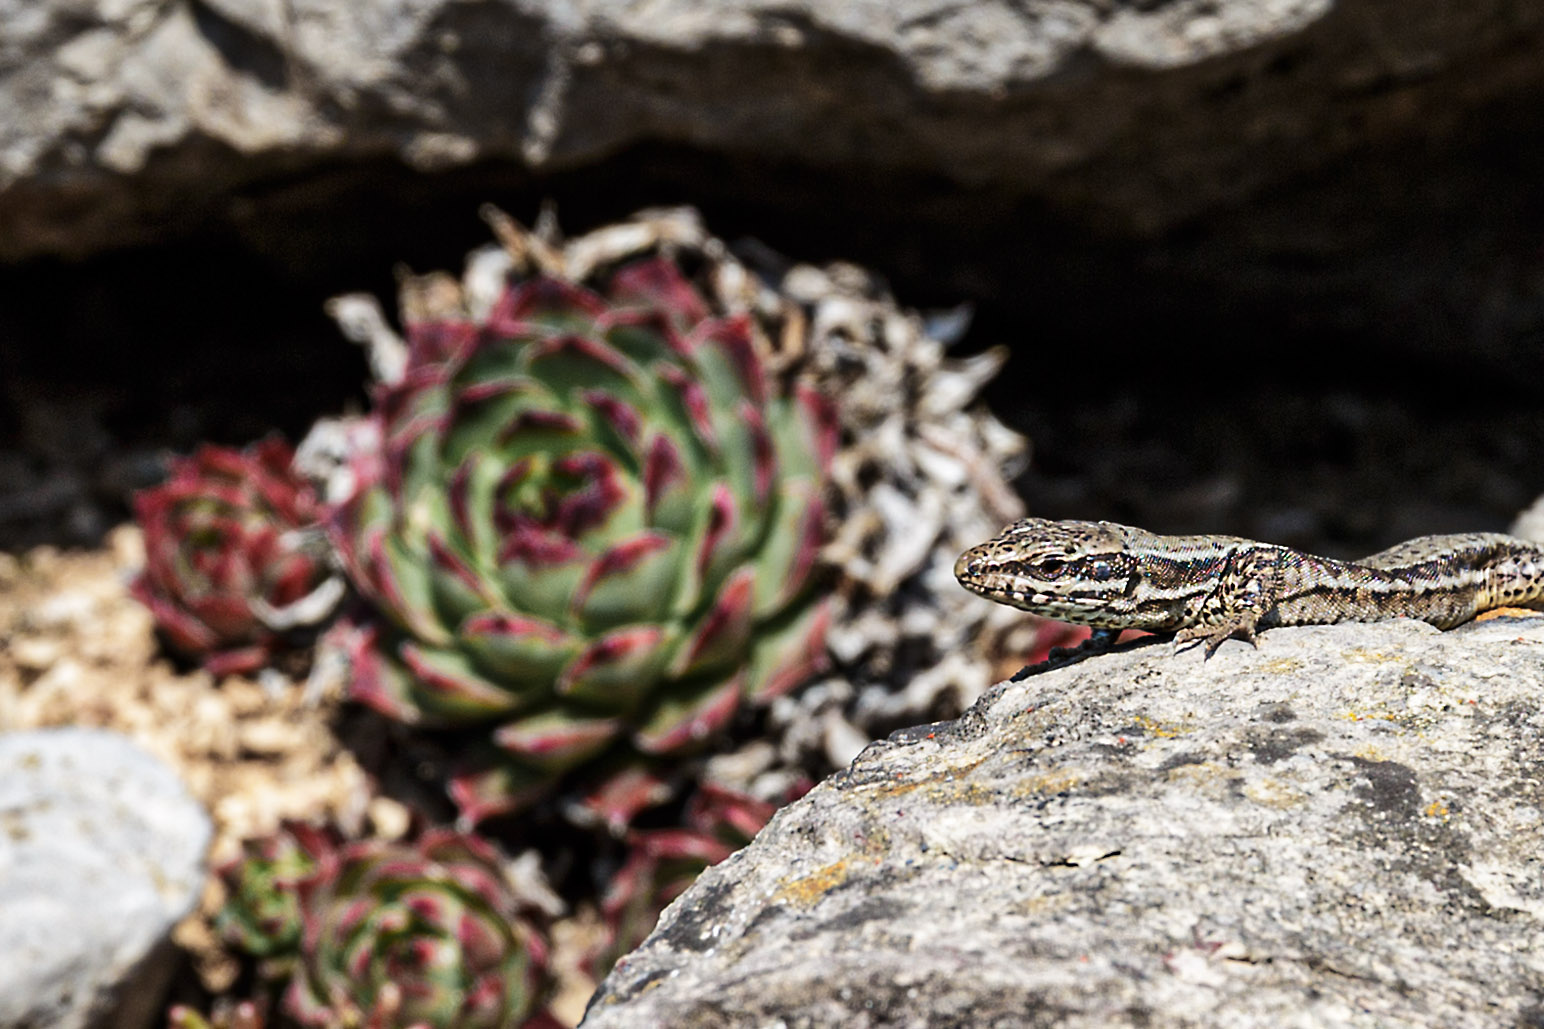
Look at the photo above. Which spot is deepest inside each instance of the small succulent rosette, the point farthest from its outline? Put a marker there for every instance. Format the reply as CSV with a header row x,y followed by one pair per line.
x,y
229,569
592,524
262,915
427,935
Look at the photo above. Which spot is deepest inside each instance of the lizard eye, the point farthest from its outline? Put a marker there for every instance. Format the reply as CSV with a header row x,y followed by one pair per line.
x,y
1051,566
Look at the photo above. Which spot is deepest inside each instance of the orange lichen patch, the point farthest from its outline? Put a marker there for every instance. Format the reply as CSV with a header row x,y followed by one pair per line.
x,y
947,787
1508,612
1366,716
1273,793
943,777
809,890
1437,809
1155,728
1368,656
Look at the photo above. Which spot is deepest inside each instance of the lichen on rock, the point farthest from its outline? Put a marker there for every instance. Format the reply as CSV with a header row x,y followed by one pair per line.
x,y
1338,828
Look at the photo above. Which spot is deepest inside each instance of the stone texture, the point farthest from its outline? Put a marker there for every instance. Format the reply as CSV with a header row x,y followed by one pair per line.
x,y
1341,828
101,852
133,116
1354,181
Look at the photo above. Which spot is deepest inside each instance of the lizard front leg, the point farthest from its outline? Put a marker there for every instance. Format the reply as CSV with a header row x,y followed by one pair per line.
x,y
1098,642
1246,592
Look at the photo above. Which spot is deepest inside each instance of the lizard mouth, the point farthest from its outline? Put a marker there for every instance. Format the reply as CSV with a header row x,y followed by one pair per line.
x,y
1037,600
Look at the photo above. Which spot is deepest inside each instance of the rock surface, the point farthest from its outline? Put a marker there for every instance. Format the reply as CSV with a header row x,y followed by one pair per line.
x,y
101,852
1341,828
142,114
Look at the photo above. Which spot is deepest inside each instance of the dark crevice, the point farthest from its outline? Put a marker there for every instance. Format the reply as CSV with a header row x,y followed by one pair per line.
x,y
1335,365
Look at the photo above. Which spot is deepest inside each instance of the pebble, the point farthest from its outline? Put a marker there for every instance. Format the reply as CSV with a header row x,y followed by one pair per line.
x,y
101,853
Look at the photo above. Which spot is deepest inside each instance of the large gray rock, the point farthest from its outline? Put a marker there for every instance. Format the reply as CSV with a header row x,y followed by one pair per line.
x,y
125,117
1341,828
101,852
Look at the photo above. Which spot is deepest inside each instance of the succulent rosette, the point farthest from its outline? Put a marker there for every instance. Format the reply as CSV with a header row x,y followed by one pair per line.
x,y
261,915
227,569
591,523
427,935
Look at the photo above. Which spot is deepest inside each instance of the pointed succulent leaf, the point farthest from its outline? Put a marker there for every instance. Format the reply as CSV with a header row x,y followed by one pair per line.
x,y
238,661
658,285
519,649
815,418
670,494
686,403
646,335
722,541
788,651
621,796
451,689
486,783
487,411
720,637
618,669
439,342
616,425
684,719
404,586
557,740
470,498
573,364
543,303
632,581
375,679
456,590
540,570
749,460
787,558
726,359
728,814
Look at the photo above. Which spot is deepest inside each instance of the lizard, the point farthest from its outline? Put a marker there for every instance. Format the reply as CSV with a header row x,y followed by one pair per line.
x,y
1214,588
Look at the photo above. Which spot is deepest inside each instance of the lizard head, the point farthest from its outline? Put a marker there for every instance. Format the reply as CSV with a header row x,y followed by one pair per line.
x,y
1075,571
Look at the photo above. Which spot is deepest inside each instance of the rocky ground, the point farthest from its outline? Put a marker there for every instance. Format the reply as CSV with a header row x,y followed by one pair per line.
x,y
79,651
1337,828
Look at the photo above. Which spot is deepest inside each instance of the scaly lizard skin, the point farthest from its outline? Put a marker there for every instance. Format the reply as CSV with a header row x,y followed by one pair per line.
x,y
1211,588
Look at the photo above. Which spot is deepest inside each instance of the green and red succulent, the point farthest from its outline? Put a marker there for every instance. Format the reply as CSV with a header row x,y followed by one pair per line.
x,y
423,935
591,524
262,915
662,863
226,559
